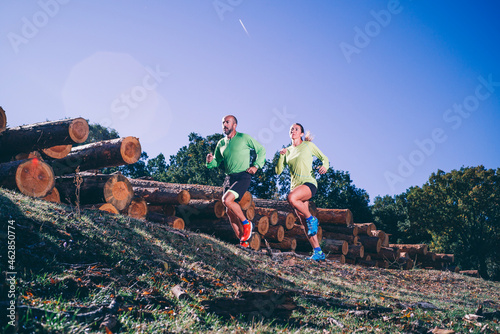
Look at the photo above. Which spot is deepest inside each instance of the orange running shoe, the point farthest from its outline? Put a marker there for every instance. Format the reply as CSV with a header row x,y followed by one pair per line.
x,y
247,231
244,244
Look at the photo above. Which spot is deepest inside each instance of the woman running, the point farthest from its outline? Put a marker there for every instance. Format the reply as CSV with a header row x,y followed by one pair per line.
x,y
299,158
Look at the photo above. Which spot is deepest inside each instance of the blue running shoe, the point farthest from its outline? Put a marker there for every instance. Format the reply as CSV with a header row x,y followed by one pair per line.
x,y
317,256
312,226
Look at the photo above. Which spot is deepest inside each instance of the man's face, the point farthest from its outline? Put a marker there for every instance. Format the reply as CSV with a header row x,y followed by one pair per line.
x,y
228,125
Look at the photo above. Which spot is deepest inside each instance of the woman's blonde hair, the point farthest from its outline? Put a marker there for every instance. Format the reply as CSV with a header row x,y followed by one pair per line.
x,y
307,136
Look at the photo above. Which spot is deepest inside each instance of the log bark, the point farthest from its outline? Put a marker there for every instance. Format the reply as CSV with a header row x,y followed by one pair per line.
x,y
355,252
287,244
385,242
273,204
162,195
276,233
115,189
411,249
335,246
3,120
471,273
365,228
272,214
286,219
334,216
34,137
107,153
138,208
351,230
386,253
371,244
351,239
445,258
58,151
379,234
31,177
171,221
201,209
164,209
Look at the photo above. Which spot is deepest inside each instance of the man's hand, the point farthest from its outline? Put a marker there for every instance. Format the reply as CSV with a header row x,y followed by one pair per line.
x,y
210,157
283,151
252,170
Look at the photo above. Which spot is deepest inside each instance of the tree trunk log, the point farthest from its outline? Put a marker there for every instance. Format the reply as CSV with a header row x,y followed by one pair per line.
x,y
162,195
445,258
58,151
351,239
385,242
201,209
33,137
115,189
355,252
164,209
335,216
250,212
371,244
107,153
138,208
379,234
287,244
31,177
350,230
255,241
335,246
3,120
386,253
261,223
171,221
286,219
365,228
276,233
272,214
411,249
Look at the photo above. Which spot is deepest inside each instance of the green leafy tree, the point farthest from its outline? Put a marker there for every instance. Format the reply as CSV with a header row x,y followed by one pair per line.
x,y
189,164
98,132
390,214
460,211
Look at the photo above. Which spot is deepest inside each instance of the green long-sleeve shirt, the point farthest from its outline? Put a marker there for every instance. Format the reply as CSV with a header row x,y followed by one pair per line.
x,y
299,159
235,153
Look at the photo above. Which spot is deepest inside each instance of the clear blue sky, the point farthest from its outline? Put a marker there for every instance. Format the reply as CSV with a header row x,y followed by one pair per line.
x,y
391,90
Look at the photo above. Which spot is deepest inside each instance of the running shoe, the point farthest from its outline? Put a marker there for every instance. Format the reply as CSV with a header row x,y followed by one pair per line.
x,y
312,226
247,231
317,256
244,244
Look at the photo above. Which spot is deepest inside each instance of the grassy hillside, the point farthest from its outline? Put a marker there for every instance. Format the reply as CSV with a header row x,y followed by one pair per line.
x,y
94,272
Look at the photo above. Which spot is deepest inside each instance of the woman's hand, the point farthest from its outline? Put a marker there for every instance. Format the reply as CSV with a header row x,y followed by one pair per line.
x,y
322,169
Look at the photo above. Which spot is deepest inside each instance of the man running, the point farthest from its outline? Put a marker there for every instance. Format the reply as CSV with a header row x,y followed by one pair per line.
x,y
234,150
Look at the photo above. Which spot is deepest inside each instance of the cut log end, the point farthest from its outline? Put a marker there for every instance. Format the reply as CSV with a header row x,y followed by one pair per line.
x,y
79,130
246,200
130,150
183,197
53,196
118,191
109,208
35,178
58,152
138,208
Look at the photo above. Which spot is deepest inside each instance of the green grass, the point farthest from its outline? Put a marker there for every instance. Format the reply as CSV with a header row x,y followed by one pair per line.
x,y
67,262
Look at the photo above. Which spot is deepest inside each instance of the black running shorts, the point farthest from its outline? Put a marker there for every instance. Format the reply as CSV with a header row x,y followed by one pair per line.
x,y
312,187
237,182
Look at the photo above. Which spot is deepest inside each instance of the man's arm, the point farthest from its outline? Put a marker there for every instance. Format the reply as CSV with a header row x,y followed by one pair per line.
x,y
214,161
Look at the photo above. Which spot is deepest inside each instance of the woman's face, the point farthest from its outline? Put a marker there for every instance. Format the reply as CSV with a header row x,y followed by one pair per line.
x,y
295,132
